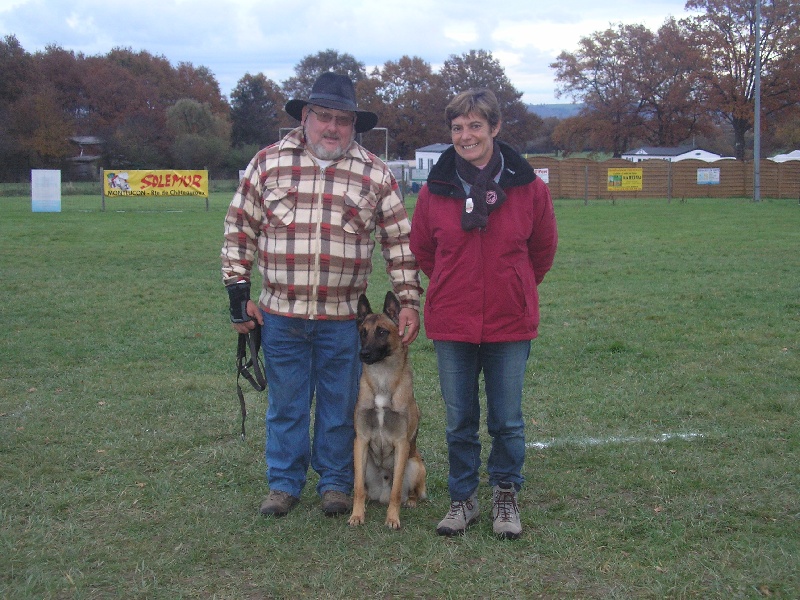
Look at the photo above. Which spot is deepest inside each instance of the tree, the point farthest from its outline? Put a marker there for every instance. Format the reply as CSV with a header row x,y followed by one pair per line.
x,y
16,69
544,143
312,66
127,112
15,66
478,69
199,84
576,134
201,137
40,116
256,110
409,101
784,132
725,33
129,95
40,131
122,98
599,74
665,67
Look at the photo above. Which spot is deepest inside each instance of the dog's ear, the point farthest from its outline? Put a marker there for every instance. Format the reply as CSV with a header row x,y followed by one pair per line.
x,y
363,309
391,307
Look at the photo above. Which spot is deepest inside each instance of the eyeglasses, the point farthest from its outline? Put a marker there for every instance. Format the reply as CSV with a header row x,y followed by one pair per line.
x,y
326,117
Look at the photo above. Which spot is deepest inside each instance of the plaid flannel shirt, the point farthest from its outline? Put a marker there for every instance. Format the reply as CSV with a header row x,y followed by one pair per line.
x,y
312,231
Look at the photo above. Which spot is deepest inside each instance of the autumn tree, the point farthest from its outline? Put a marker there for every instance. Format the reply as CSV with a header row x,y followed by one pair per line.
x,y
312,66
409,100
543,143
479,69
665,66
599,75
16,67
38,105
725,34
40,131
256,111
129,95
783,129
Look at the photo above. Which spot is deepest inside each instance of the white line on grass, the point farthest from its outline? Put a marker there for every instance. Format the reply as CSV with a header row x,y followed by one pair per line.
x,y
658,439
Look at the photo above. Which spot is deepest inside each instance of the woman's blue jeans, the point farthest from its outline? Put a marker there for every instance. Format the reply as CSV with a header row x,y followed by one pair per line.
x,y
304,359
503,366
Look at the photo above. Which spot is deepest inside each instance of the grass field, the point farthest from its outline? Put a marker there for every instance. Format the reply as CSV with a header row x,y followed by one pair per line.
x,y
661,410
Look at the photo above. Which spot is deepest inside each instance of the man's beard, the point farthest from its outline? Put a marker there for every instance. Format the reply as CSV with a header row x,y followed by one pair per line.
x,y
324,153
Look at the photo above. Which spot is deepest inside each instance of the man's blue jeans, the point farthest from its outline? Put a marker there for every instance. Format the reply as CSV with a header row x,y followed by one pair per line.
x,y
304,359
503,366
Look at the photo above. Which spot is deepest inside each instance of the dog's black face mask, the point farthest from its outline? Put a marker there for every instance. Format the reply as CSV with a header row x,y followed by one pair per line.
x,y
374,344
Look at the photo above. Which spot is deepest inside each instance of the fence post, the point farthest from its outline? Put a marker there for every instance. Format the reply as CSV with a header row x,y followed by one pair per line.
x,y
585,185
669,182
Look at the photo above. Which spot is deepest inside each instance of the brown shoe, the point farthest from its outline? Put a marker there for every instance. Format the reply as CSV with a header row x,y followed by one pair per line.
x,y
505,512
336,503
461,515
278,504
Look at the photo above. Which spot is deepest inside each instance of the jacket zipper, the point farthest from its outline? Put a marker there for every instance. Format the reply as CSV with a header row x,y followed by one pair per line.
x,y
318,249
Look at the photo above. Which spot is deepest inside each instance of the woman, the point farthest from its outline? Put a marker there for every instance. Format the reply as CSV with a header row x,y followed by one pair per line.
x,y
484,232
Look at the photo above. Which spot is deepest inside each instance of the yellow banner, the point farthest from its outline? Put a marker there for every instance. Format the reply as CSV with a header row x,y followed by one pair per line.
x,y
155,183
624,180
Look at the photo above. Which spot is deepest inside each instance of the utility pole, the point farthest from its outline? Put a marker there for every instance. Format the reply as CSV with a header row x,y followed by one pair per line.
x,y
757,111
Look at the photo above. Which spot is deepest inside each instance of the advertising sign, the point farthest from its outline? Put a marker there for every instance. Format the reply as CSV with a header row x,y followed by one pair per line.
x,y
707,176
543,174
45,190
155,183
624,180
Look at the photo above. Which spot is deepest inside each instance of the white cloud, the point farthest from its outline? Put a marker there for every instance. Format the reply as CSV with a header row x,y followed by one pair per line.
x,y
462,32
234,37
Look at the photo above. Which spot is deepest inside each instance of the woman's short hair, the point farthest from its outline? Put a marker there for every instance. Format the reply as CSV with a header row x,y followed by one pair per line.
x,y
481,102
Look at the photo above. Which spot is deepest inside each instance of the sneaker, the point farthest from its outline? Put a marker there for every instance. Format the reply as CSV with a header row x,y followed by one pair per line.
x,y
462,514
278,504
336,503
505,511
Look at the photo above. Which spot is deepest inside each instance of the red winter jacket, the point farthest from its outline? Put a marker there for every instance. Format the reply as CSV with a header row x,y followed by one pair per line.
x,y
483,283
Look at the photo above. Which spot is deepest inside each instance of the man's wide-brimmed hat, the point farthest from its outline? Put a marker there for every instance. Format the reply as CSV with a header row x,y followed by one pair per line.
x,y
331,90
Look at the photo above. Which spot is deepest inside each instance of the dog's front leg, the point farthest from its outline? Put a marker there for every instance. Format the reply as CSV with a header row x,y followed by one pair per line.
x,y
401,451
360,488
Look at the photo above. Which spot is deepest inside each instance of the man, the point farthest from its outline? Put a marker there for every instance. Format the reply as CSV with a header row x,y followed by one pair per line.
x,y
305,211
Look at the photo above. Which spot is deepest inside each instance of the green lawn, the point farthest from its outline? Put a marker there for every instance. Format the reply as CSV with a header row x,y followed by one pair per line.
x,y
662,417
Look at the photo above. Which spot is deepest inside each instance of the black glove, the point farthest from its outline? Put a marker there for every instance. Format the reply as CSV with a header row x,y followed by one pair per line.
x,y
239,294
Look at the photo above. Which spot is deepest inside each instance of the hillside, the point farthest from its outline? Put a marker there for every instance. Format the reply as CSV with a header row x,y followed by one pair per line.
x,y
560,111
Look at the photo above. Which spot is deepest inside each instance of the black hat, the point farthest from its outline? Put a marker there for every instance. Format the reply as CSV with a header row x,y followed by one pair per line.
x,y
334,91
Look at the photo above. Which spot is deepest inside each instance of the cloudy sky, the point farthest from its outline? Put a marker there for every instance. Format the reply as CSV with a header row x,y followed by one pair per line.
x,y
234,37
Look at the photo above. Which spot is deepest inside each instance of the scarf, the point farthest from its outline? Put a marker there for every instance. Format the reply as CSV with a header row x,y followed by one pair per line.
x,y
485,194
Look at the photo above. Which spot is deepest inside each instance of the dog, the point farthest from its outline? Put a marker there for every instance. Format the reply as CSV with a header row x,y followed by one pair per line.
x,y
388,467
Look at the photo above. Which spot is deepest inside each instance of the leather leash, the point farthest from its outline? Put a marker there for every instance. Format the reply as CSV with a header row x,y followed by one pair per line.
x,y
252,342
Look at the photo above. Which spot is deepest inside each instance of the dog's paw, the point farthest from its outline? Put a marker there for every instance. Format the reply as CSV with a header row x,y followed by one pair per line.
x,y
393,523
356,520
410,503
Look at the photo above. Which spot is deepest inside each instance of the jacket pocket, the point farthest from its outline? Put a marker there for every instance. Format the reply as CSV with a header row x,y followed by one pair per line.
x,y
526,281
358,213
279,206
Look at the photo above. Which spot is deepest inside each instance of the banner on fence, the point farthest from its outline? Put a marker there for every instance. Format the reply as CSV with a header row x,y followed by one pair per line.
x,y
707,176
624,180
155,183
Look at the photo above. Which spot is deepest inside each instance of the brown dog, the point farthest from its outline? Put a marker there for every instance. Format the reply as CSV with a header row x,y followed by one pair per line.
x,y
388,467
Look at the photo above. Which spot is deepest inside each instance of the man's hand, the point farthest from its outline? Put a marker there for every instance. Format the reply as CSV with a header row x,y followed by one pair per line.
x,y
255,315
408,325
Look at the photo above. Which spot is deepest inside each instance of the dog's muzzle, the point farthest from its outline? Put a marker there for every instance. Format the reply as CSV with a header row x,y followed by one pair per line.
x,y
371,356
